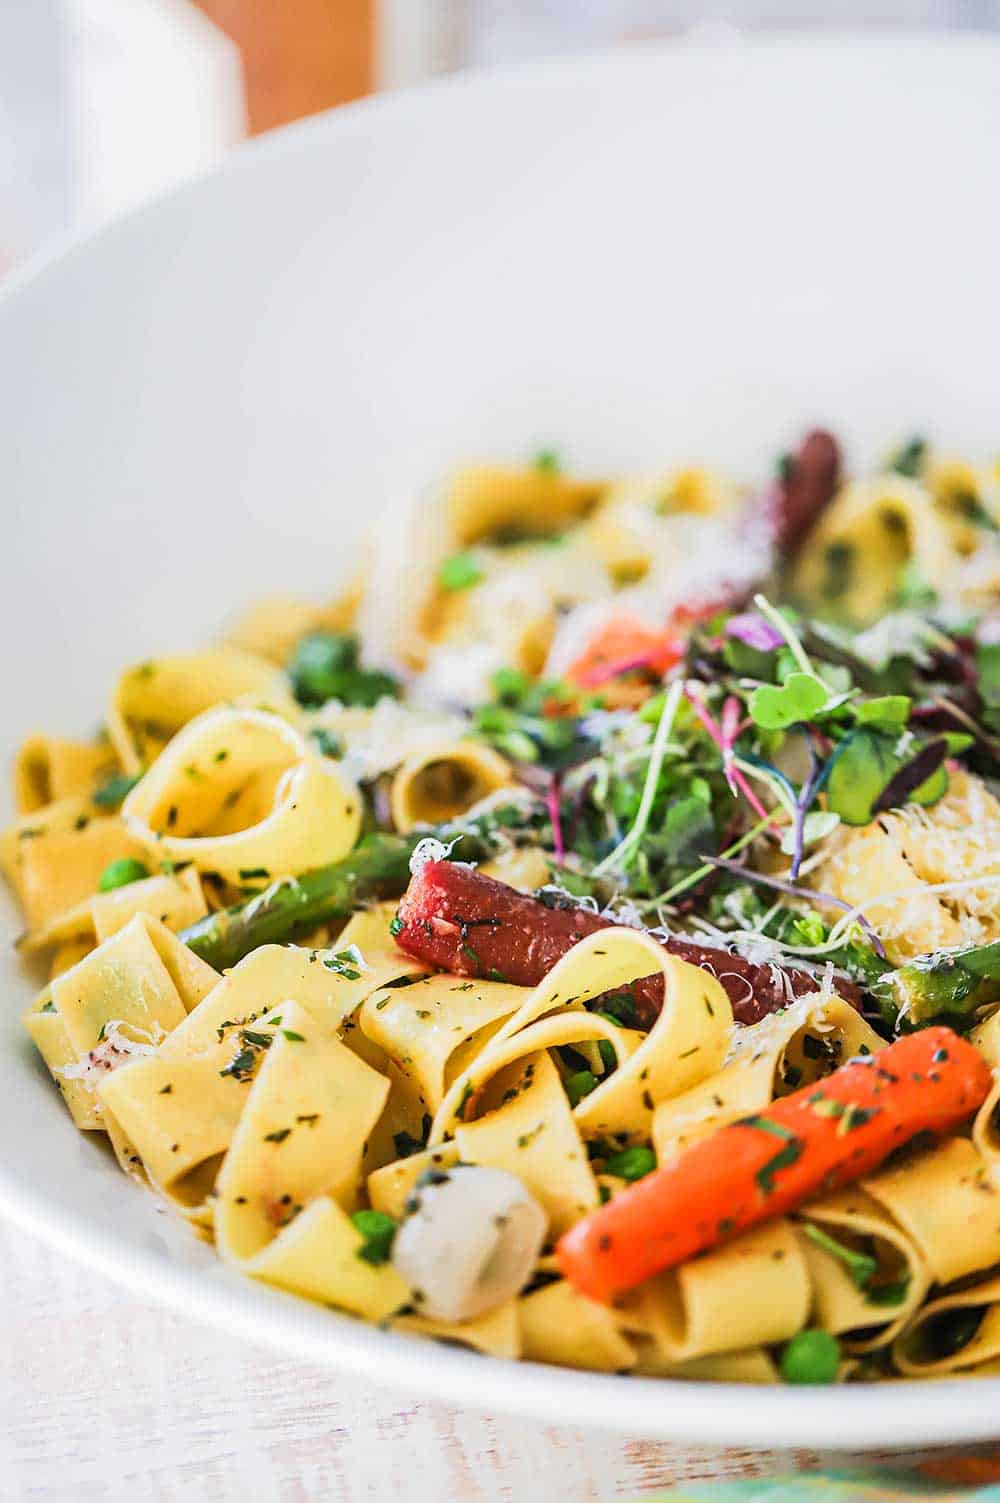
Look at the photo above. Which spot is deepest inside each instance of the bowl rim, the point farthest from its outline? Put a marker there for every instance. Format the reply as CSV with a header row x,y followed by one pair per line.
x,y
852,1418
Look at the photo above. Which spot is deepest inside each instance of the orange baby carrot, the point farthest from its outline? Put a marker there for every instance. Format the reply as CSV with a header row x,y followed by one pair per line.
x,y
822,1137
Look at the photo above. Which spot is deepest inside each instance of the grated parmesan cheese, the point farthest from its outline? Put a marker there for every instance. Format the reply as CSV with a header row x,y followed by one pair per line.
x,y
114,1050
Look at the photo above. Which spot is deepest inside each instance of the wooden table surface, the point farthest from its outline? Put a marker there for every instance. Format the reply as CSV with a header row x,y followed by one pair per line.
x,y
105,1398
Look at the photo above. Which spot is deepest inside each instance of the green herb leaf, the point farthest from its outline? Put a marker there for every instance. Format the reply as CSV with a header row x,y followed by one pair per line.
x,y
889,713
909,459
861,1266
800,698
325,665
111,795
327,744
579,1085
816,826
783,1159
631,1164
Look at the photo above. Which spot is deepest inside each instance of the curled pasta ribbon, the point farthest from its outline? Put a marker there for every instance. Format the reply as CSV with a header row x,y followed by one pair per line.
x,y
755,1291
271,627
948,1203
629,528
153,700
562,1327
484,500
959,1333
532,1134
687,1042
424,1026
239,792
841,1304
778,1054
853,558
442,782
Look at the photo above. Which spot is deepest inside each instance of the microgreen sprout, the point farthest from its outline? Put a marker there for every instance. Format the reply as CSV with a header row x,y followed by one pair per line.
x,y
624,852
708,865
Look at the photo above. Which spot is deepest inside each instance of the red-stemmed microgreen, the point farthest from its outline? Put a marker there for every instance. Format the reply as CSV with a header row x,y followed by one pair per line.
x,y
724,736
553,809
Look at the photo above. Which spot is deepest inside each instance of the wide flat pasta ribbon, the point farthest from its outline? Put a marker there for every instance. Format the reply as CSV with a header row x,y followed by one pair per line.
x,y
560,1326
755,1365
47,1031
53,859
130,991
495,1334
533,1135
48,769
421,1027
318,1256
182,1106
301,1133
175,898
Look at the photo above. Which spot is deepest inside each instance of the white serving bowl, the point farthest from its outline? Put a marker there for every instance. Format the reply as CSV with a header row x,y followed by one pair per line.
x,y
657,254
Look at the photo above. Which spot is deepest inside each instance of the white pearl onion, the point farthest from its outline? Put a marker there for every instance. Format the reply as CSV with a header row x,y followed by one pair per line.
x,y
470,1243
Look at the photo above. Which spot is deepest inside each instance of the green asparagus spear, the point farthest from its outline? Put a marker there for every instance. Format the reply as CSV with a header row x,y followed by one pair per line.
x,y
951,982
378,867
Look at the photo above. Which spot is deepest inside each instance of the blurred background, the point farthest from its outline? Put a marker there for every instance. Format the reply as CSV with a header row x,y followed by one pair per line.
x,y
104,102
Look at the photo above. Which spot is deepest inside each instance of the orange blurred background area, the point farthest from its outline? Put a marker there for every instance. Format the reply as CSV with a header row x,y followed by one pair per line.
x,y
299,56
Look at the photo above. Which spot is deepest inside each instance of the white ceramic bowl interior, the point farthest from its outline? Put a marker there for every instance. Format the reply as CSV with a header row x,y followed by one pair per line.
x,y
659,254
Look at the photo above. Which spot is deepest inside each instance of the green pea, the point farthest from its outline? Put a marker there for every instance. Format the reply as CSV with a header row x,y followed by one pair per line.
x,y
120,873
811,1357
631,1163
379,1231
579,1085
459,572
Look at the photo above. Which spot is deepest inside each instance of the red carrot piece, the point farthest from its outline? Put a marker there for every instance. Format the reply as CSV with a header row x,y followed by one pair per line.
x,y
814,1141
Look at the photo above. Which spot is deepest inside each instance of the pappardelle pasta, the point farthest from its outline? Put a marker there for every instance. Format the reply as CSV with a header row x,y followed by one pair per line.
x,y
580,941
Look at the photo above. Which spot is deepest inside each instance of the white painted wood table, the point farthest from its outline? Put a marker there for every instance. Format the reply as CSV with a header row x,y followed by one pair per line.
x,y
106,1398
